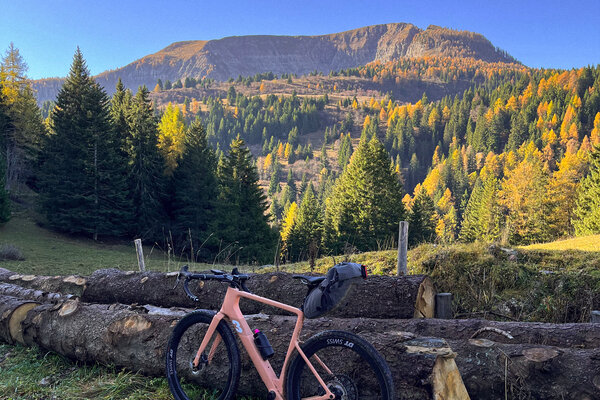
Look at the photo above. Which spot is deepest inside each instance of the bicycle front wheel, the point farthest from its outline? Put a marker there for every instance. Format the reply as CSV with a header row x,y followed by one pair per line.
x,y
218,373
350,367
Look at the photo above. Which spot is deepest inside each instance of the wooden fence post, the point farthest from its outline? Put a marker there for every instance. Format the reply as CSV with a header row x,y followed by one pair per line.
x,y
402,268
140,254
595,316
443,305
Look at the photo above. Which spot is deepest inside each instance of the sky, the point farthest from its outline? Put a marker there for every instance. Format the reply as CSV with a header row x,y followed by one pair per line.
x,y
112,34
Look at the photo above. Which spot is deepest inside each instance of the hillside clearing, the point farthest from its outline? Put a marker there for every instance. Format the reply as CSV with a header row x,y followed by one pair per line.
x,y
584,243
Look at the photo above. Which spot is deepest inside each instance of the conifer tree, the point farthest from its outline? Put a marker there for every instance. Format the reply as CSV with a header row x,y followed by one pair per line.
x,y
288,226
194,209
345,151
243,222
587,208
146,180
308,230
4,126
171,138
522,195
562,194
291,184
422,224
83,179
21,139
365,205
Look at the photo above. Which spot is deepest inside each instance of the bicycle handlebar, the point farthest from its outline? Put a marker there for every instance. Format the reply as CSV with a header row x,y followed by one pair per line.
x,y
235,279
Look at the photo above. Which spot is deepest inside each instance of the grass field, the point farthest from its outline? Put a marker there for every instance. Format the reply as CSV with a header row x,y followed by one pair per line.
x,y
51,253
31,373
585,243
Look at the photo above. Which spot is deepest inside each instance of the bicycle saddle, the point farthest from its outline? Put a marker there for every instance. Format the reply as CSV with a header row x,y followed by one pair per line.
x,y
311,281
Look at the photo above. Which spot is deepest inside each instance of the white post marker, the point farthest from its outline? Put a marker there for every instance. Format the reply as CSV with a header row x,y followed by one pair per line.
x,y
140,254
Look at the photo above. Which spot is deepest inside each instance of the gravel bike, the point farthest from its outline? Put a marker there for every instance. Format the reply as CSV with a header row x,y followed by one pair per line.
x,y
203,358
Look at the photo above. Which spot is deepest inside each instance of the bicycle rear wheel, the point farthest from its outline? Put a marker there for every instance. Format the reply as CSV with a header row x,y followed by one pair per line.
x,y
349,365
217,376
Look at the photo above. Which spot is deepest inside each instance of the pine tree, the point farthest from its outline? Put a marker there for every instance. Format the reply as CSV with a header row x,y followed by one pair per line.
x,y
365,205
308,231
291,184
587,208
83,179
146,180
4,126
345,151
422,223
288,226
243,222
194,209
21,140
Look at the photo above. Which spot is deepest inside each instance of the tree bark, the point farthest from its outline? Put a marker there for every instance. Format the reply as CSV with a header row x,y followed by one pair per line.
x,y
493,370
12,312
8,289
72,284
377,297
136,339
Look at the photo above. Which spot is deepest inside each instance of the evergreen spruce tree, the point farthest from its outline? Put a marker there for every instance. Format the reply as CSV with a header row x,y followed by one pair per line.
x,y
291,184
120,110
243,222
146,166
345,151
587,208
4,126
365,205
195,184
83,180
422,222
308,231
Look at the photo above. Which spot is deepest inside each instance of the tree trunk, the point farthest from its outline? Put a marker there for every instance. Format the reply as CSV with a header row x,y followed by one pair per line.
x,y
8,289
72,284
493,370
12,312
376,297
136,339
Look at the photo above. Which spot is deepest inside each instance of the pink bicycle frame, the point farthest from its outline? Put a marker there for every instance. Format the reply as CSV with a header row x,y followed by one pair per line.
x,y
231,310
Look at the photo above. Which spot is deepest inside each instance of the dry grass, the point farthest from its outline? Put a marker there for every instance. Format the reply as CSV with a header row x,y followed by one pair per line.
x,y
583,243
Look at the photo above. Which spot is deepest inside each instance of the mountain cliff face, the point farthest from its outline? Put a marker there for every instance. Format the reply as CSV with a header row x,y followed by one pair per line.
x,y
247,55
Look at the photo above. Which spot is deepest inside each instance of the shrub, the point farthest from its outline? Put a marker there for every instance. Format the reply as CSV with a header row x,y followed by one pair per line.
x,y
9,252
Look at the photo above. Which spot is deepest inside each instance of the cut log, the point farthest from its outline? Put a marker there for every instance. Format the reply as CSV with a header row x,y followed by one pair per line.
x,y
493,370
136,339
8,289
72,284
12,312
378,297
422,367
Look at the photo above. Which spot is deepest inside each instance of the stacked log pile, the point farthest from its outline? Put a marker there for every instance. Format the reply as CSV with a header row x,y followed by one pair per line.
x,y
378,297
495,359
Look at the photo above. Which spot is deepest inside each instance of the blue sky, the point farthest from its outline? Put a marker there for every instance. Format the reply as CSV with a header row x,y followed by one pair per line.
x,y
111,34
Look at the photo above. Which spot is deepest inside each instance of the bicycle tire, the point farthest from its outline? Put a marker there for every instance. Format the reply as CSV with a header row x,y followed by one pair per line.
x,y
358,370
218,378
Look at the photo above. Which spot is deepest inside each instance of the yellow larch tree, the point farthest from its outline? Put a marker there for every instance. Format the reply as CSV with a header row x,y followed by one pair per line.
x,y
171,138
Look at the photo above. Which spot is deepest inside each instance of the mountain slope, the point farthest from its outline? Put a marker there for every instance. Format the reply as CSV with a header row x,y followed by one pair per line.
x,y
248,55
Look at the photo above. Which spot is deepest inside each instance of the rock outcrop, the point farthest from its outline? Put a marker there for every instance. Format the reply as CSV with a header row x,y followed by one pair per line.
x,y
248,55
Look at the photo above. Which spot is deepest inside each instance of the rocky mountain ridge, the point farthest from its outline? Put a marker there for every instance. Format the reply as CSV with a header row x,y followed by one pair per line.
x,y
248,55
